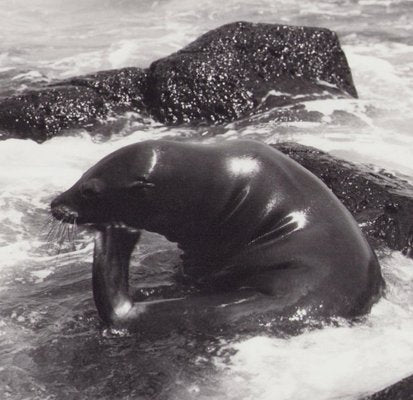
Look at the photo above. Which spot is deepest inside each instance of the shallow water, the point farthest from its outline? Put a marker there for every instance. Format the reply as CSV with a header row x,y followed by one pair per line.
x,y
51,342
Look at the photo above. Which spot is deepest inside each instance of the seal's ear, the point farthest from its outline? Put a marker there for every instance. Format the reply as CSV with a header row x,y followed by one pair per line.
x,y
140,183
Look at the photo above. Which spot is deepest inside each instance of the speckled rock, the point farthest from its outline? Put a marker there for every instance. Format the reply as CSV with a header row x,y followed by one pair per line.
x,y
402,390
381,203
232,70
74,103
226,74
121,89
41,114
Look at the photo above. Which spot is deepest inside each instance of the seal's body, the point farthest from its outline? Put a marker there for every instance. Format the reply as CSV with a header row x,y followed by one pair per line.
x,y
246,216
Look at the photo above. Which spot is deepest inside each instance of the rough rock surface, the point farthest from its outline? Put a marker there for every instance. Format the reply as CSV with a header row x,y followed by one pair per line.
x,y
226,74
75,103
381,203
121,89
41,114
402,390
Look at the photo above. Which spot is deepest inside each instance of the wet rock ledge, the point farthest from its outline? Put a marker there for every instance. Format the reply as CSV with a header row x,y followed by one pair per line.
x,y
381,203
224,75
402,390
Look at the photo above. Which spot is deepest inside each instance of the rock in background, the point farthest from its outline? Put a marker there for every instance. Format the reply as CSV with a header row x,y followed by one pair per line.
x,y
381,203
226,74
79,102
42,114
229,72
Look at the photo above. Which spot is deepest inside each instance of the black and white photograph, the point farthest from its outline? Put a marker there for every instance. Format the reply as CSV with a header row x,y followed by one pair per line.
x,y
206,200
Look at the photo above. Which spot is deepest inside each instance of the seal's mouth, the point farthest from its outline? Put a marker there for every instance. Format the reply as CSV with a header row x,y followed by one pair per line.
x,y
65,214
122,226
114,235
113,226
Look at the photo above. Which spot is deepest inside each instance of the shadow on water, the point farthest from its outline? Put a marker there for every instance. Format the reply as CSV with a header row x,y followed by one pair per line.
x,y
92,364
53,346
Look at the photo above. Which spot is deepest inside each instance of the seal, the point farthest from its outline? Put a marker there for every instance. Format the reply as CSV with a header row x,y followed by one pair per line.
x,y
259,233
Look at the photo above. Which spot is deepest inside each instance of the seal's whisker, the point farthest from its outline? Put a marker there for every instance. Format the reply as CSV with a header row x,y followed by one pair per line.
x,y
59,232
48,234
66,233
70,234
47,225
73,231
56,233
51,234
75,226
61,236
70,237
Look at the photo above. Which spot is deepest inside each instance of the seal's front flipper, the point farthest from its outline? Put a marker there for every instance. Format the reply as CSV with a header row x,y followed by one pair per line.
x,y
239,311
110,272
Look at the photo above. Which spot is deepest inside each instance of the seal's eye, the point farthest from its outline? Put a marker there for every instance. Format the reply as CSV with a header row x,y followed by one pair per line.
x,y
92,189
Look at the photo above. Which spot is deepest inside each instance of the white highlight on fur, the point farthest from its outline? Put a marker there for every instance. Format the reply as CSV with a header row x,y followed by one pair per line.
x,y
299,218
243,165
154,161
272,203
122,309
230,304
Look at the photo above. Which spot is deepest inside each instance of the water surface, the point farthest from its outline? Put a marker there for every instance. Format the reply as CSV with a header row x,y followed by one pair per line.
x,y
52,346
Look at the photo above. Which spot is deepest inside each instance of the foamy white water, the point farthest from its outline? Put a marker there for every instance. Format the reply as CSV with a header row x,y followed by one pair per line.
x,y
343,362
43,295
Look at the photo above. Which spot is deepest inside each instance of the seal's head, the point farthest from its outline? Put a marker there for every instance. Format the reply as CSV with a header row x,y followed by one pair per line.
x,y
105,192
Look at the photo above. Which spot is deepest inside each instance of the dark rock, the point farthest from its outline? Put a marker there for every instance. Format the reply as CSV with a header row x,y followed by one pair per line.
x,y
402,390
381,203
74,103
226,73
41,114
122,90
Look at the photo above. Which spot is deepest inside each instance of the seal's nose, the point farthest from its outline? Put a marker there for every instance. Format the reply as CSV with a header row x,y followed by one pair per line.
x,y
63,212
